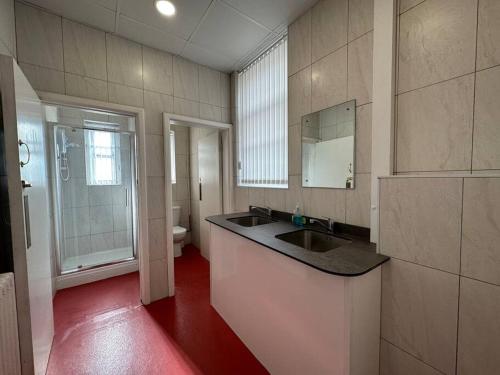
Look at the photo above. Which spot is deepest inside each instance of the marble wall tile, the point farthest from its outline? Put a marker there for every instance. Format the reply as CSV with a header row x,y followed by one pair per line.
x,y
156,197
358,201
481,229
404,5
158,71
76,221
328,27
155,165
210,84
121,215
225,87
186,107
226,115
360,70
420,220
125,95
210,112
294,194
75,193
329,80
181,139
158,271
325,203
488,34
39,37
275,198
294,150
182,166
257,197
421,323
8,27
85,87
241,199
44,79
182,192
360,18
486,150
84,50
185,79
154,106
394,361
299,43
102,242
101,219
100,195
363,139
124,61
299,95
425,58
479,328
434,128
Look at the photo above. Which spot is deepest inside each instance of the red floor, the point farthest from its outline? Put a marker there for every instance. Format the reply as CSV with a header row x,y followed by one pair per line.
x,y
101,328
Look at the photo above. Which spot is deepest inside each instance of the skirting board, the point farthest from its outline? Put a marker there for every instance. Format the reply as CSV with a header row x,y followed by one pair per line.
x,y
101,273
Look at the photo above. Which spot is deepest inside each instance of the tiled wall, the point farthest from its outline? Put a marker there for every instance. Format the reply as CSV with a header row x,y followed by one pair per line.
x,y
62,56
329,62
448,84
441,289
7,28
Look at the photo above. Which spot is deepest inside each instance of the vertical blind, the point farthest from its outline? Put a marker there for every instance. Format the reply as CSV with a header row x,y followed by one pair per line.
x,y
262,117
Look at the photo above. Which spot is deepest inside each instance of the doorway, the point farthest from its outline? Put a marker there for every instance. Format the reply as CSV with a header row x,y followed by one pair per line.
x,y
210,182
94,198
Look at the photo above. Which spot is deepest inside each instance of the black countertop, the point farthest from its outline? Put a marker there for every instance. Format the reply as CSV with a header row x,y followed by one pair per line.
x,y
353,259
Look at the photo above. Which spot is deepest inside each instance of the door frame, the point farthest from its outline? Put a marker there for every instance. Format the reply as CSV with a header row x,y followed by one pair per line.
x,y
226,131
142,207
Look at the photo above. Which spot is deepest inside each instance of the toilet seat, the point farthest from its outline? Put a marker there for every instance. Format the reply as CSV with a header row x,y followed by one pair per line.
x,y
179,230
179,233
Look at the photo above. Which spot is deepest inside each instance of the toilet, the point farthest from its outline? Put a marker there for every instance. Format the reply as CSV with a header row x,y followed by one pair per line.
x,y
179,232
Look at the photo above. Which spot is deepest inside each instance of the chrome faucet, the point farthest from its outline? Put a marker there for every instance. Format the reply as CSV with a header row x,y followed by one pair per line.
x,y
266,211
328,226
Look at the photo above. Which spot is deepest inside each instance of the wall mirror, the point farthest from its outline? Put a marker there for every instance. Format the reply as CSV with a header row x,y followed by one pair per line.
x,y
328,146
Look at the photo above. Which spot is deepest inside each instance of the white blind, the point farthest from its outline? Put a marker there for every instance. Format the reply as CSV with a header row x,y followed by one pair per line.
x,y
263,121
102,158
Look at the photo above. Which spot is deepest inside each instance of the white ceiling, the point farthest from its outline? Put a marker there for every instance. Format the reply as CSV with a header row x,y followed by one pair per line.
x,y
222,34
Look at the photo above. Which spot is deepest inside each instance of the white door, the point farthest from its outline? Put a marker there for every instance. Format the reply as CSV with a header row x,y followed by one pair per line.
x,y
30,129
210,185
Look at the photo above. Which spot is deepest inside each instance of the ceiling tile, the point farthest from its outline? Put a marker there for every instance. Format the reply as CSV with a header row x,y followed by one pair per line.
x,y
271,13
150,36
226,31
83,11
188,15
209,58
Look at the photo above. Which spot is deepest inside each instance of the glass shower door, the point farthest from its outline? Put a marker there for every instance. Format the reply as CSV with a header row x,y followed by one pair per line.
x,y
95,171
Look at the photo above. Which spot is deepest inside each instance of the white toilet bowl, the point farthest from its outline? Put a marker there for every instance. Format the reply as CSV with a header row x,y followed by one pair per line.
x,y
179,232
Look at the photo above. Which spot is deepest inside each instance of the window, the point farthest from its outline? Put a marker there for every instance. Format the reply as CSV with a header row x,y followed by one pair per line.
x,y
102,158
172,156
262,129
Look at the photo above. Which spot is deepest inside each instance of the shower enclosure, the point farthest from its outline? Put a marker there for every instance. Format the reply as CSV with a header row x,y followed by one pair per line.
x,y
93,174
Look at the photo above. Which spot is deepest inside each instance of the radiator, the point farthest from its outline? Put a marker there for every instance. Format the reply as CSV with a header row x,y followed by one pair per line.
x,y
10,363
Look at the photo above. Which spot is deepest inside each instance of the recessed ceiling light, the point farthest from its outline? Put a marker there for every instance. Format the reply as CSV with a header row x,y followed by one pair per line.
x,y
165,7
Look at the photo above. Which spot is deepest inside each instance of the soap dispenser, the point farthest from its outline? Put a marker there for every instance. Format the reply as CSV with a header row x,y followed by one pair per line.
x,y
297,218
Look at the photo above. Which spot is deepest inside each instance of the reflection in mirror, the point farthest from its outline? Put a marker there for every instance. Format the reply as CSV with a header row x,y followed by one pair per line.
x,y
328,147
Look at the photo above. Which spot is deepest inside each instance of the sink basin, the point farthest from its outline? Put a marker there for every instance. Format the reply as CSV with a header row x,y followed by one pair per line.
x,y
312,240
251,221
